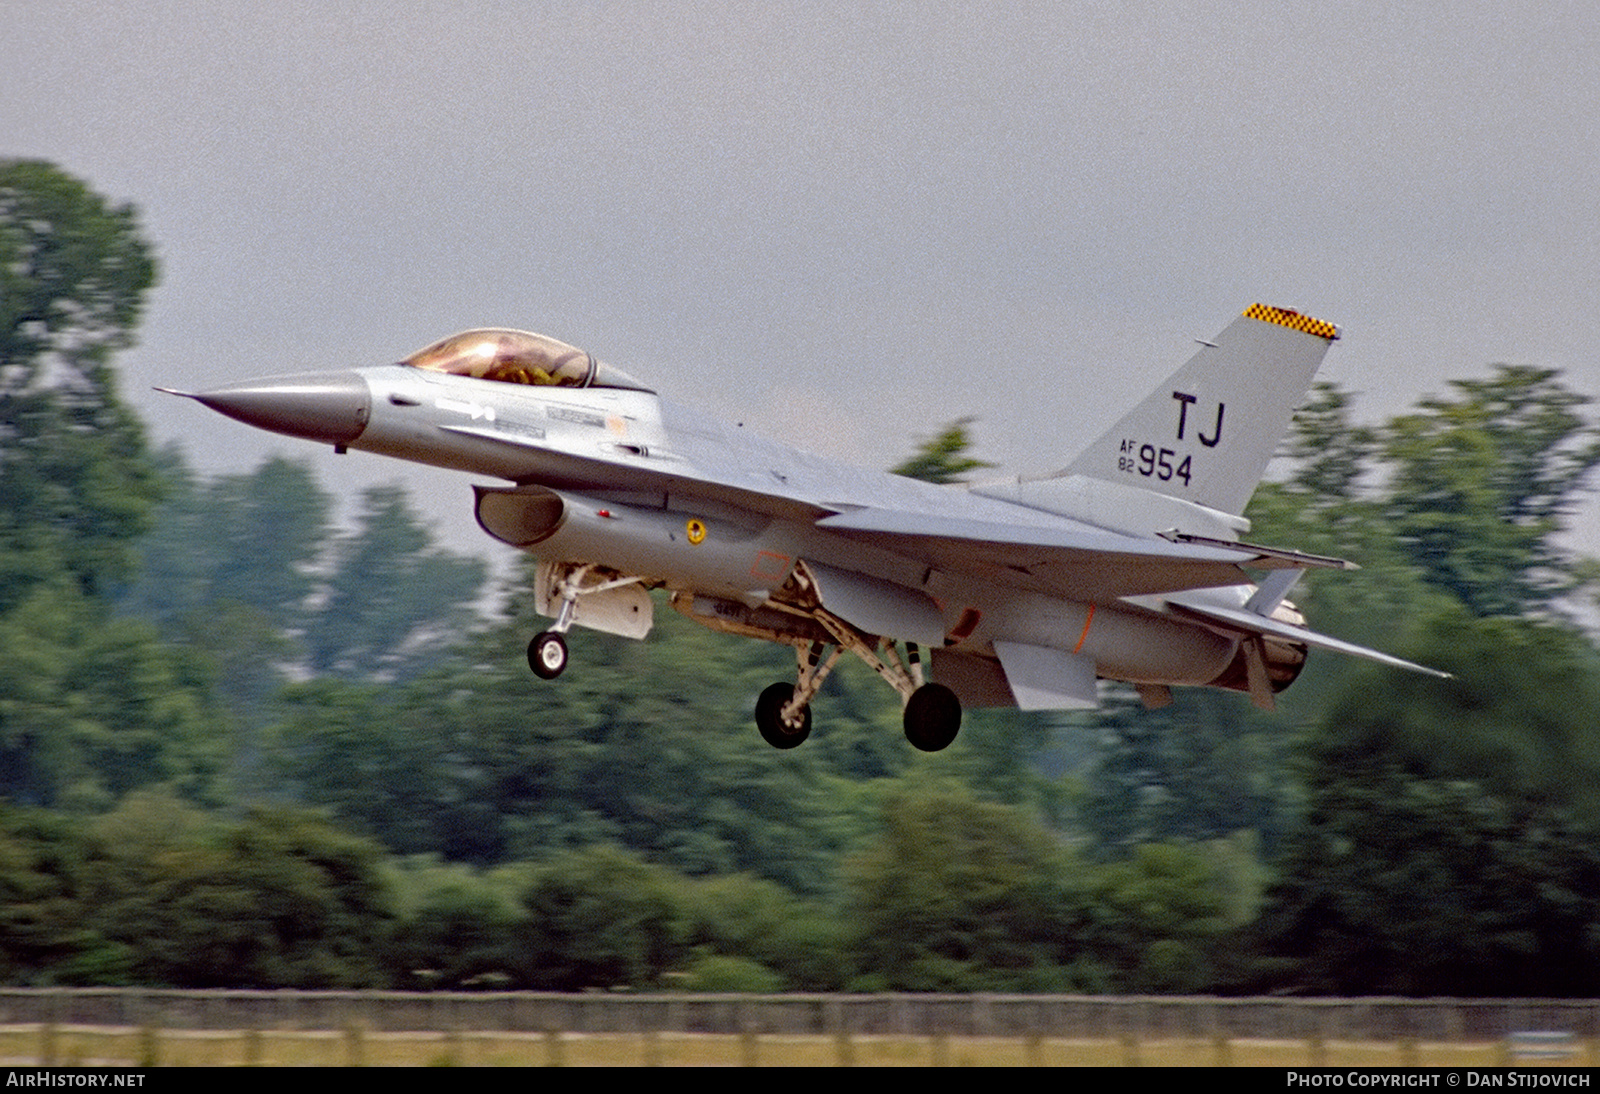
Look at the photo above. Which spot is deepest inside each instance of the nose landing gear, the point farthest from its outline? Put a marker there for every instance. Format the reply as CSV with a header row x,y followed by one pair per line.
x,y
547,652
547,655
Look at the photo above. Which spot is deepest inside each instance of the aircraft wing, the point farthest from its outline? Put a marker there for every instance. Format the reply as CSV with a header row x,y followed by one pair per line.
x,y
1058,558
747,489
1082,563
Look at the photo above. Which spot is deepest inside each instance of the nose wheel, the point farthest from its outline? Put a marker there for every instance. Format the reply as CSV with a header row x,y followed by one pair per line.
x,y
547,655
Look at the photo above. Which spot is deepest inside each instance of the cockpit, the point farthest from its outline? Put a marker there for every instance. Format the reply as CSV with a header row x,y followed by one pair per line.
x,y
518,357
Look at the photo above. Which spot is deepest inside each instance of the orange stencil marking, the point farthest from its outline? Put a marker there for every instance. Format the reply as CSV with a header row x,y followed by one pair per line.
x,y
964,626
1084,636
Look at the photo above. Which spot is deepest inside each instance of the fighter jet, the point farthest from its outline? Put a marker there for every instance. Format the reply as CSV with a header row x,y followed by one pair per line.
x,y
1126,565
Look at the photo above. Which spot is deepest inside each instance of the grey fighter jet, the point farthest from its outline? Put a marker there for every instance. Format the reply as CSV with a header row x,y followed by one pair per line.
x,y
1126,565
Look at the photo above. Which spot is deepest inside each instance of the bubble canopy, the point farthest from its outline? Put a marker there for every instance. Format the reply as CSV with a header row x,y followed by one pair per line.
x,y
518,357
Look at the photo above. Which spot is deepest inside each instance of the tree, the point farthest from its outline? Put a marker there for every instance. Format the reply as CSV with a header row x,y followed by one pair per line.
x,y
481,762
1333,455
1418,886
73,279
1448,844
961,895
76,484
45,935
600,918
1202,768
392,587
278,898
943,458
251,540
1156,920
89,706
1482,483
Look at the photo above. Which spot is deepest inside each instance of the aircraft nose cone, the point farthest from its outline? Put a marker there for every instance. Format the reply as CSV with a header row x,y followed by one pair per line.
x,y
331,407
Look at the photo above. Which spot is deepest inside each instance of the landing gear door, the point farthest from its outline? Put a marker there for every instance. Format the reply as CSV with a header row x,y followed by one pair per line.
x,y
626,610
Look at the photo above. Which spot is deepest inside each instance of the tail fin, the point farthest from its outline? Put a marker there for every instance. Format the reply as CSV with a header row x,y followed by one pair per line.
x,y
1206,434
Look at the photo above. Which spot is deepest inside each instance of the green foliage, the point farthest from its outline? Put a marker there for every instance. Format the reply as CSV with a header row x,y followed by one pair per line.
x,y
715,973
91,709
960,895
1200,769
157,893
42,880
782,940
251,541
599,918
258,550
1443,848
1414,886
76,484
1519,715
487,764
943,458
73,274
1156,920
461,938
1448,841
277,899
1482,482
391,586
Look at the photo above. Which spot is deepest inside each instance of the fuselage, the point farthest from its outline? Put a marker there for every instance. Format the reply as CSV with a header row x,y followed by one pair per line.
x,y
638,475
1126,565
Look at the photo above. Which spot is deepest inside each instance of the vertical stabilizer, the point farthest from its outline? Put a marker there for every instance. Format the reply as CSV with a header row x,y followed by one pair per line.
x,y
1206,434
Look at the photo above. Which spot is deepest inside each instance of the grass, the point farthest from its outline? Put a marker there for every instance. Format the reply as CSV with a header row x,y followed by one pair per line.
x,y
122,1046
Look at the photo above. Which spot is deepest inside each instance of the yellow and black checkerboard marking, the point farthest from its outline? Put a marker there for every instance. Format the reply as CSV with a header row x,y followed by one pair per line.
x,y
1293,320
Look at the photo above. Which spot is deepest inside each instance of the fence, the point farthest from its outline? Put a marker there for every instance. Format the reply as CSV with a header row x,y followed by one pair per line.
x,y
1002,1016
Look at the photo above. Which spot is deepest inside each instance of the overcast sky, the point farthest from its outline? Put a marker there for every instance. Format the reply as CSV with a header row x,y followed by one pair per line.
x,y
843,224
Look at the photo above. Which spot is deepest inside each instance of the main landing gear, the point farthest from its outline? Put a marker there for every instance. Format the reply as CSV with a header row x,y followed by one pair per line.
x,y
932,712
932,716
776,729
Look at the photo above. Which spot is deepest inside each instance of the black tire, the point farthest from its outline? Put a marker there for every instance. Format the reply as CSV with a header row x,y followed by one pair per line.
x,y
547,655
772,726
932,717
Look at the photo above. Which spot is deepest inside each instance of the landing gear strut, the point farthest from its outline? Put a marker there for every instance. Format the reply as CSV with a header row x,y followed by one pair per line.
x,y
783,713
547,653
932,711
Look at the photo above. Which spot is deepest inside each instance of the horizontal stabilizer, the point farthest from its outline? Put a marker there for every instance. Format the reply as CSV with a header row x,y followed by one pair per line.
x,y
1240,621
1266,558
